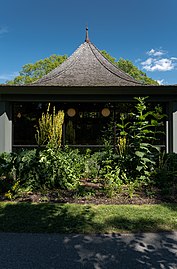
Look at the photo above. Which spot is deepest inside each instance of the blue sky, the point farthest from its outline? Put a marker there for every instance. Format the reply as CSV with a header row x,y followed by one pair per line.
x,y
143,31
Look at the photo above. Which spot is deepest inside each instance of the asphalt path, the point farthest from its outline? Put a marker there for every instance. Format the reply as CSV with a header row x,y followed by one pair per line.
x,y
101,251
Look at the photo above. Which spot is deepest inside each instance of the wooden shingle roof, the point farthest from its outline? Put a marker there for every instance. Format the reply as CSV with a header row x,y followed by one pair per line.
x,y
87,67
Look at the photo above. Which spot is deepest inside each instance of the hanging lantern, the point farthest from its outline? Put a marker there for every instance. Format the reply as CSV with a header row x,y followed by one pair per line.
x,y
19,115
71,112
105,112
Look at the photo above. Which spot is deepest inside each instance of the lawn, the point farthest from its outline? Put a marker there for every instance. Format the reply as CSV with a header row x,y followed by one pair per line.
x,y
77,218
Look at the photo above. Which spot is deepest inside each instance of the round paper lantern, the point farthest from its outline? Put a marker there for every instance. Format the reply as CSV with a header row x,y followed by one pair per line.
x,y
71,112
105,112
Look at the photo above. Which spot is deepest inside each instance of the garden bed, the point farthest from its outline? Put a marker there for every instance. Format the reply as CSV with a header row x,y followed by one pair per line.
x,y
93,195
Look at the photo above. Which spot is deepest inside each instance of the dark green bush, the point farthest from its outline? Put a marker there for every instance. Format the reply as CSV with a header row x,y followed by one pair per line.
x,y
6,172
166,175
64,168
49,168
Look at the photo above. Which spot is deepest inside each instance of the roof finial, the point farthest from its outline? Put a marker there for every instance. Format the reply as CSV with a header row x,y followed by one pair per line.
x,y
87,37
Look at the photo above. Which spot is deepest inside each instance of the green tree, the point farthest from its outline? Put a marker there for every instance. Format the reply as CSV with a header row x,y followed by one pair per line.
x,y
108,56
31,72
129,68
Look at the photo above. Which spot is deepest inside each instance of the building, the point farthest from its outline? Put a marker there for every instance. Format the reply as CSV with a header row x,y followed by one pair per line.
x,y
91,90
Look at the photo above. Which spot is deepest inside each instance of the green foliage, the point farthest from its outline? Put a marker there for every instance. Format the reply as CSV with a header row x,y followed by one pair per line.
x,y
12,193
32,72
95,162
129,68
64,169
166,175
91,168
113,182
108,56
137,134
136,158
133,164
9,185
49,130
27,169
6,172
34,170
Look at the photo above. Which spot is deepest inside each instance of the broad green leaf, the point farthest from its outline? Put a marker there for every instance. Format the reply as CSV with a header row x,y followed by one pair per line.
x,y
139,154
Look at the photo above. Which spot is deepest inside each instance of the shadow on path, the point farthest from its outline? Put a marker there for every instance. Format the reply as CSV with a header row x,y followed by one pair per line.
x,y
106,251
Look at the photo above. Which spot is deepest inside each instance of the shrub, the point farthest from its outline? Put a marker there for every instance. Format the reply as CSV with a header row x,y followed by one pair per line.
x,y
63,168
166,175
95,162
6,172
137,137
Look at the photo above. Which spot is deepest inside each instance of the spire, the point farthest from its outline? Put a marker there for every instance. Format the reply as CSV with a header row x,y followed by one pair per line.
x,y
87,37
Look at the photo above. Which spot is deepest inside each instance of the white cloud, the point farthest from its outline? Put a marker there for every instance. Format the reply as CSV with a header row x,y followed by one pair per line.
x,y
158,63
149,61
8,76
156,53
150,52
163,64
3,30
161,81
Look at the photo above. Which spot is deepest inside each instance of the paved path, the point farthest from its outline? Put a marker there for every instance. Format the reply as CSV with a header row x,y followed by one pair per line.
x,y
49,251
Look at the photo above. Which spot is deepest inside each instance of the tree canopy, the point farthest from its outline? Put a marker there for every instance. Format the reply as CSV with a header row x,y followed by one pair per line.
x,y
129,68
31,72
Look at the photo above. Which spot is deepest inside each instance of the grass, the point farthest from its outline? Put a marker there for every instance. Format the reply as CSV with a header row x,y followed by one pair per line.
x,y
75,218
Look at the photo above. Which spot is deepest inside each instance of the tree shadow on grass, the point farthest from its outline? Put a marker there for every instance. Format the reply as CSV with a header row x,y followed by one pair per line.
x,y
70,218
136,226
45,218
171,206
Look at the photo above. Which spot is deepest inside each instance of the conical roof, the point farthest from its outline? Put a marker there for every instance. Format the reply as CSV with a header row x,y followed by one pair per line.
x,y
87,67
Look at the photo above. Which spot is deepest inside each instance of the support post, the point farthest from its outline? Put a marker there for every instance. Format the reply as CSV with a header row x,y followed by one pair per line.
x,y
5,127
175,127
167,137
171,128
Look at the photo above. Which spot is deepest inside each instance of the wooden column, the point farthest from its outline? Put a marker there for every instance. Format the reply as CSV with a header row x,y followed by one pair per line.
x,y
175,127
171,128
5,127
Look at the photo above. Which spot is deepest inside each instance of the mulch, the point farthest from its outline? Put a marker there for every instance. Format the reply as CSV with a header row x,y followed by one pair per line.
x,y
98,198
93,193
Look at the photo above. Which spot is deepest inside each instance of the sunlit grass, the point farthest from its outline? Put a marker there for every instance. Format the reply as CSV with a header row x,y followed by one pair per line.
x,y
75,218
